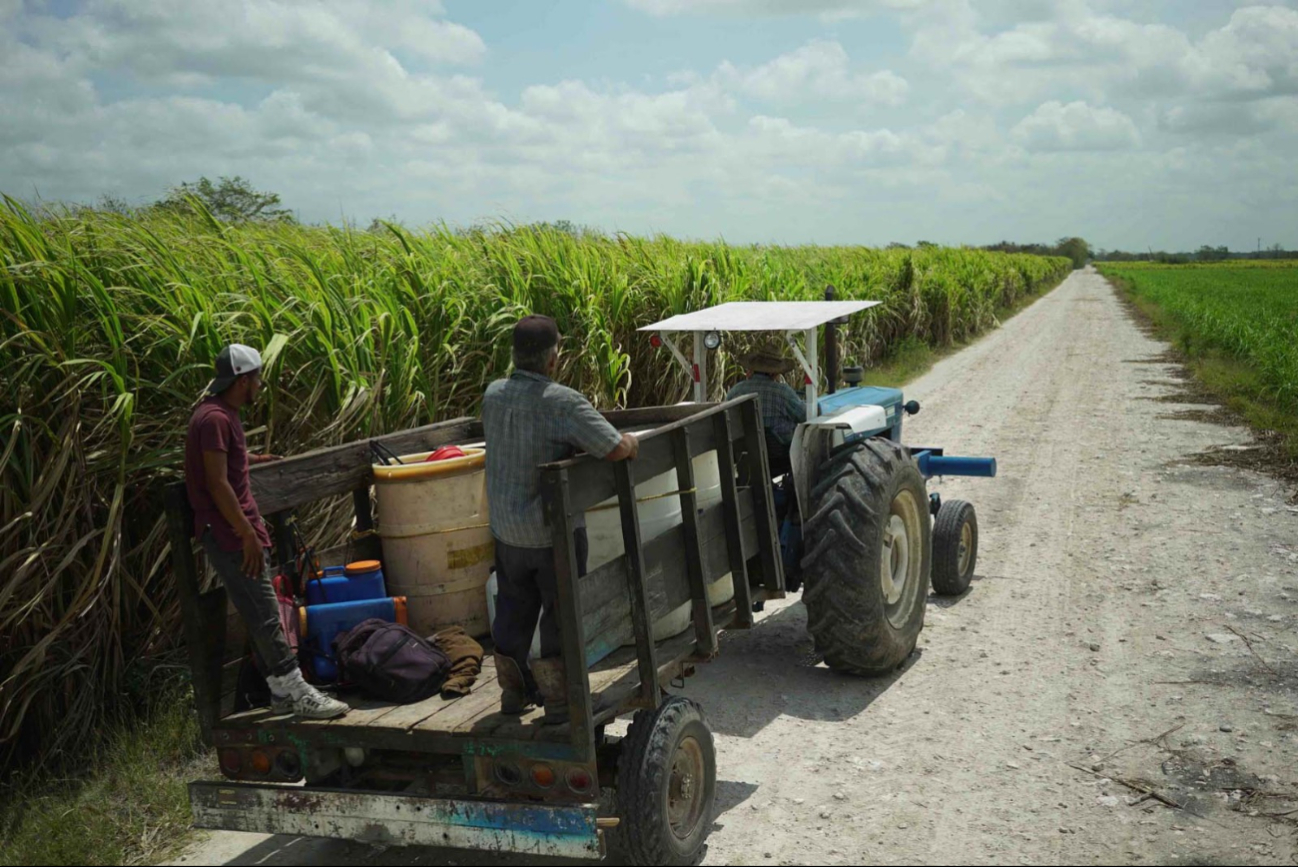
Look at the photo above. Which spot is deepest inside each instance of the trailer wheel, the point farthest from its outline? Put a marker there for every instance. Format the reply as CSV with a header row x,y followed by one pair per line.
x,y
666,784
868,543
955,547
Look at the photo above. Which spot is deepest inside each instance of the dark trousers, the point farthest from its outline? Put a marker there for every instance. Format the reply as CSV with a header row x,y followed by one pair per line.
x,y
526,586
777,456
254,599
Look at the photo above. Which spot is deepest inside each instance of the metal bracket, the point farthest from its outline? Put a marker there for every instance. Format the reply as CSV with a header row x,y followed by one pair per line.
x,y
797,352
676,351
809,368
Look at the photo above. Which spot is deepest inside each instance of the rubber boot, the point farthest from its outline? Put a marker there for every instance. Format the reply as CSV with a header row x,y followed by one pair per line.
x,y
552,682
514,698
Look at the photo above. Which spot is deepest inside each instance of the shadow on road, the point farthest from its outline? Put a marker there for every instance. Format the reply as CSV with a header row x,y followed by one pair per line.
x,y
773,670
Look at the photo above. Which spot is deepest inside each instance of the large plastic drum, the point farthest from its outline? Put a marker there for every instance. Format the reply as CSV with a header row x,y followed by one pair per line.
x,y
658,514
437,546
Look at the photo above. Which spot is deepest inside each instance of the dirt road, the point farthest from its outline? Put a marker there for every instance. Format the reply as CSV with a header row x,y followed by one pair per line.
x,y
1125,591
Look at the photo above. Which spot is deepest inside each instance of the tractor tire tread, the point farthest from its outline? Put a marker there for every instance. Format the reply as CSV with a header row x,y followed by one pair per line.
x,y
845,614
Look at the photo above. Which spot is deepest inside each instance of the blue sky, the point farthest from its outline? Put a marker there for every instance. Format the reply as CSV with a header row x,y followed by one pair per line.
x,y
831,121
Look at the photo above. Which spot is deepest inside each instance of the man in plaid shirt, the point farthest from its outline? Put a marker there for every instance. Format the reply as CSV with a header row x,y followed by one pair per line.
x,y
782,409
529,419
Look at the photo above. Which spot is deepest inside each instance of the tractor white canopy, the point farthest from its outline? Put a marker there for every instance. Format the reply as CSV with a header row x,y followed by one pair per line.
x,y
789,317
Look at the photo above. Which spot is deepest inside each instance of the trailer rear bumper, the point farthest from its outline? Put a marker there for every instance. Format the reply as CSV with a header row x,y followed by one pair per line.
x,y
399,820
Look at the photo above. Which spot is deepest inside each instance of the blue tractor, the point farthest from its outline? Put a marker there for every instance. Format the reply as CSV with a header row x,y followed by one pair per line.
x,y
859,531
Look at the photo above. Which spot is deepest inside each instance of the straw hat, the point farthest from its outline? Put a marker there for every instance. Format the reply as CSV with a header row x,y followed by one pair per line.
x,y
769,359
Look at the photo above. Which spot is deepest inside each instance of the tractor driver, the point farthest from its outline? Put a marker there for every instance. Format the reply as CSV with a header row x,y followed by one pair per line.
x,y
529,419
782,408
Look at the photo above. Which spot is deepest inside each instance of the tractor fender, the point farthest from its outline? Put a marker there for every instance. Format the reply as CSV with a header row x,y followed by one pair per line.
x,y
816,437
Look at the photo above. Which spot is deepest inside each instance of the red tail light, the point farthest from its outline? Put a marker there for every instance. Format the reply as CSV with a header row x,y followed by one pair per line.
x,y
231,762
579,780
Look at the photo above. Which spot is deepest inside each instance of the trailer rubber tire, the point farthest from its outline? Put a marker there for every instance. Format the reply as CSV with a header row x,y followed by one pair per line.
x,y
955,547
666,785
867,496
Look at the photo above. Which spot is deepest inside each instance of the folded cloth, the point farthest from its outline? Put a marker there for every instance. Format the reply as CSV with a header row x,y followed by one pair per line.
x,y
466,660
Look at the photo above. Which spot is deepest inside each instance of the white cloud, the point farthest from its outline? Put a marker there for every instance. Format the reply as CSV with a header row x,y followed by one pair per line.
x,y
818,70
1076,127
778,141
1095,54
346,112
1256,54
963,130
153,38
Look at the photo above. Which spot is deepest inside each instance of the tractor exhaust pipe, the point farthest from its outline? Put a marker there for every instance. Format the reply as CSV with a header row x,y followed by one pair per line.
x,y
831,348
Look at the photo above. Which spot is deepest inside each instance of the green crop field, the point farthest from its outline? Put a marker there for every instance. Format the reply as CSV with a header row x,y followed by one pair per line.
x,y
1244,311
109,324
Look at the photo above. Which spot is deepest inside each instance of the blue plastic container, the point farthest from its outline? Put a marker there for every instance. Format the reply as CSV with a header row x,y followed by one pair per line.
x,y
321,624
339,585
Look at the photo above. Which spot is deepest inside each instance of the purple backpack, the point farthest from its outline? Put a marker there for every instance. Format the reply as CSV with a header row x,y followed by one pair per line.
x,y
390,662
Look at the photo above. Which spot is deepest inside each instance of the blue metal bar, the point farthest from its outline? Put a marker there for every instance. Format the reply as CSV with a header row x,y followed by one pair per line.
x,y
931,464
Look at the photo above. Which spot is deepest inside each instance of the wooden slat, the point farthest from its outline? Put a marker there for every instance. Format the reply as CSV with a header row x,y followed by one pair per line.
x,y
768,541
637,583
692,549
476,715
605,598
653,416
445,711
731,512
313,476
592,482
572,635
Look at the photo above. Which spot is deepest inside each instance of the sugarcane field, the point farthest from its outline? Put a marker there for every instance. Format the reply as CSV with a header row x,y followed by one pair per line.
x,y
510,434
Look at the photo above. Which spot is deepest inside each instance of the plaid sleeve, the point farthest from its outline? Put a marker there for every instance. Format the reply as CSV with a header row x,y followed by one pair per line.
x,y
794,405
590,431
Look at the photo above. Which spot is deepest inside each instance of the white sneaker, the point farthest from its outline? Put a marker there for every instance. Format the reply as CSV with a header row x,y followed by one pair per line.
x,y
311,704
292,694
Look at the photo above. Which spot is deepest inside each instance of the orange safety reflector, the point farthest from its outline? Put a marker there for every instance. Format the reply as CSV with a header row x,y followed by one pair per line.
x,y
543,776
261,762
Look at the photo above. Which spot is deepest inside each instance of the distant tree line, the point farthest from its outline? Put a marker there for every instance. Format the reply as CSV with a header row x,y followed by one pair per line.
x,y
1206,253
1073,248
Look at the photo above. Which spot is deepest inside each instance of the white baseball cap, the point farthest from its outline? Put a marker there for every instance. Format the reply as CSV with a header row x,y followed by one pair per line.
x,y
232,362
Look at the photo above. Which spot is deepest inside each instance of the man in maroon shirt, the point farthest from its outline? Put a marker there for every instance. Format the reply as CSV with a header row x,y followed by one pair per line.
x,y
232,532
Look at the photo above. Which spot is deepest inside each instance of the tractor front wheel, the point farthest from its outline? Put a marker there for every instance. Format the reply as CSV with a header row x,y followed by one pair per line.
x,y
955,547
866,572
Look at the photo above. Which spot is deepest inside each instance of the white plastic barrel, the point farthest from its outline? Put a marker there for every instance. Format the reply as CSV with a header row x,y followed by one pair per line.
x,y
437,546
658,514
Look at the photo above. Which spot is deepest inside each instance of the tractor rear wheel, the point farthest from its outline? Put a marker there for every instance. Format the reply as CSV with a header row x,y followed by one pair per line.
x,y
866,573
